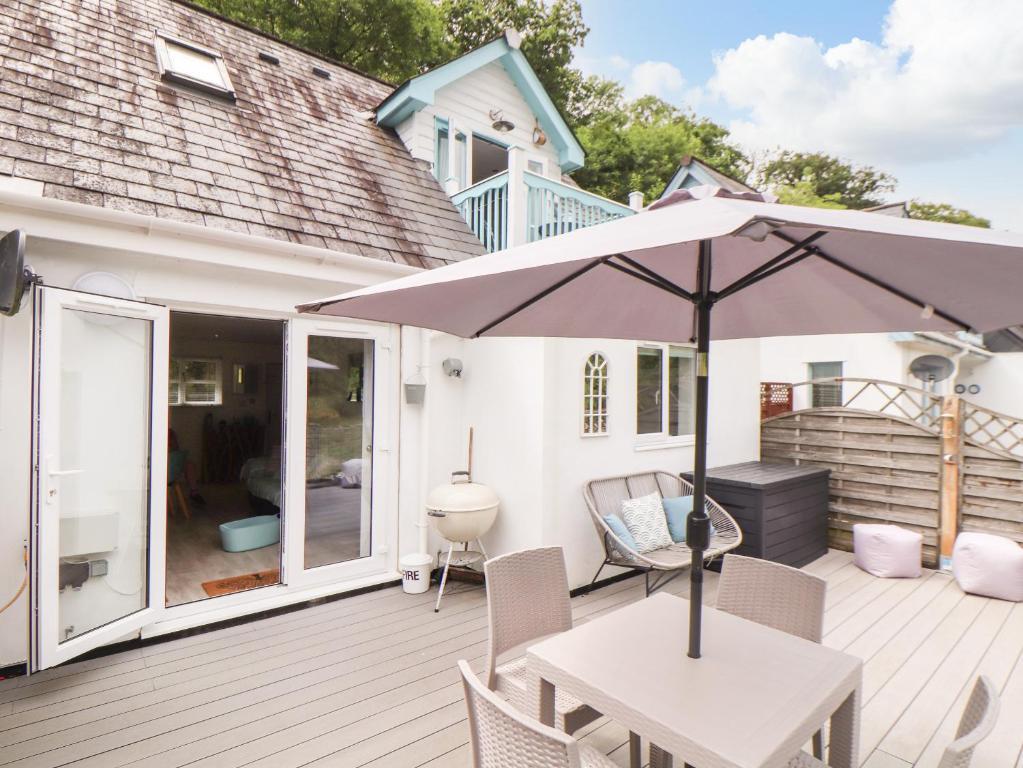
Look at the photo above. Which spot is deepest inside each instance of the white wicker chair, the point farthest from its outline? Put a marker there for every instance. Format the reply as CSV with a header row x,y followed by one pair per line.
x,y
977,722
777,596
605,496
772,594
528,599
502,737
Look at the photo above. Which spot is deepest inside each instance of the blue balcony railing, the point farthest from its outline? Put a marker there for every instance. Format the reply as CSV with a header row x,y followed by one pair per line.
x,y
504,214
553,208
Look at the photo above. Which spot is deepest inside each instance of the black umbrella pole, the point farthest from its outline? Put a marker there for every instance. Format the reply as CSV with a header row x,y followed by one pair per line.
x,y
698,524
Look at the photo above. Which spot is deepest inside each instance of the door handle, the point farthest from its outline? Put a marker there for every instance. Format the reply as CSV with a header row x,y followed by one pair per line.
x,y
64,472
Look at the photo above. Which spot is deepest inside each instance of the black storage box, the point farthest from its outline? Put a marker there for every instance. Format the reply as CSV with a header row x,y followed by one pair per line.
x,y
782,509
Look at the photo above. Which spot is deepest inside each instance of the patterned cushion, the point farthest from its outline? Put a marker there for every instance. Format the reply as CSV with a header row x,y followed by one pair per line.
x,y
644,517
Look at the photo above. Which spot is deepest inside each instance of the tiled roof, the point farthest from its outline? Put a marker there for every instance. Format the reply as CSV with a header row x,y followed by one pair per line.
x,y
297,157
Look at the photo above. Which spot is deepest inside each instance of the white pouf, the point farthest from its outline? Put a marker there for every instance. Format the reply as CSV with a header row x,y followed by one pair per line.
x,y
887,551
988,565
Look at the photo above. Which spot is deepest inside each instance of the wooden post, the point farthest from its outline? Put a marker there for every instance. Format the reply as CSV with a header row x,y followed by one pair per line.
x,y
517,215
951,464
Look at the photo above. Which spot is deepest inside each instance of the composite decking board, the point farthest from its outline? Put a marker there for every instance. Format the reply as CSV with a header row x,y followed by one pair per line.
x,y
389,693
163,675
907,738
201,653
609,600
223,686
1003,656
886,701
842,634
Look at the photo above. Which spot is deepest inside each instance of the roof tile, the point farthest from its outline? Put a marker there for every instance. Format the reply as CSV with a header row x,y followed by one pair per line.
x,y
293,158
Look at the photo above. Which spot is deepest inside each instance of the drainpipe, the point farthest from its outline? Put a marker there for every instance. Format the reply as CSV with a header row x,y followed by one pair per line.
x,y
423,523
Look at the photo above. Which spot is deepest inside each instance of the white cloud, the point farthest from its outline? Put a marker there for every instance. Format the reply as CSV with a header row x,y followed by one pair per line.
x,y
655,78
947,77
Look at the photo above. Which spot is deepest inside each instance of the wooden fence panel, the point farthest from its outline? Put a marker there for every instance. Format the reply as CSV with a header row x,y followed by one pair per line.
x,y
884,469
991,492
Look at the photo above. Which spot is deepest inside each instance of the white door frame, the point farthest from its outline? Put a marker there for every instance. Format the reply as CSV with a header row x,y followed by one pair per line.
x,y
386,405
45,650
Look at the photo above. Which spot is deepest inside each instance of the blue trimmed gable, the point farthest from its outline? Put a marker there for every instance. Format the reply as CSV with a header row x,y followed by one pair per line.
x,y
417,93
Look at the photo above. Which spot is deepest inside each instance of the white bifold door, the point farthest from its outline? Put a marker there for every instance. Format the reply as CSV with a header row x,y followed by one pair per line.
x,y
340,383
99,471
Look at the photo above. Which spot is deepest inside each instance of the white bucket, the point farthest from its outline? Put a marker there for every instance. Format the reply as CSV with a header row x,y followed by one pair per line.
x,y
415,573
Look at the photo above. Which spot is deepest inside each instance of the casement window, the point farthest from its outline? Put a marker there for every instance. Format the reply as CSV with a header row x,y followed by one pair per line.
x,y
829,394
195,381
189,64
595,395
665,391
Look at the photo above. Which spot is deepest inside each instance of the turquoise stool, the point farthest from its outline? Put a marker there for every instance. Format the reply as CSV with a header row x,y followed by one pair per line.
x,y
250,533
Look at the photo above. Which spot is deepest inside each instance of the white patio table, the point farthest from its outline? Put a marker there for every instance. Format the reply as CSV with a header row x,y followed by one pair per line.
x,y
753,700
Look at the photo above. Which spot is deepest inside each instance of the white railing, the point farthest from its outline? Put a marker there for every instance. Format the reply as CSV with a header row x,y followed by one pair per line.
x,y
517,206
553,208
484,206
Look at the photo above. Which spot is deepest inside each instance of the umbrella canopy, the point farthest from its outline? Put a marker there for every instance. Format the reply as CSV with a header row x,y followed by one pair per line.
x,y
766,270
861,272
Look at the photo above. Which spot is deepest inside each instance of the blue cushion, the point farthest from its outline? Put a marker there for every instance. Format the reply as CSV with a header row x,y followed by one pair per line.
x,y
617,526
676,510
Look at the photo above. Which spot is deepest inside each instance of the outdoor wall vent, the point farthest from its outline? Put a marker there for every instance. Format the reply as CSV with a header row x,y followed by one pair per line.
x,y
321,72
269,58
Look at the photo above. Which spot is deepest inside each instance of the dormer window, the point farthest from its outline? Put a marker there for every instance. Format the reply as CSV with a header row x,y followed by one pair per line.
x,y
189,64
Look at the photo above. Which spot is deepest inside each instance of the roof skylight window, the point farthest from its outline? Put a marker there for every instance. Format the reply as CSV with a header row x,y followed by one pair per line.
x,y
189,64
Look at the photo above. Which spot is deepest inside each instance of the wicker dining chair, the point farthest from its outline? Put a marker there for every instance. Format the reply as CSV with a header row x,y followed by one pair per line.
x,y
528,599
777,596
501,736
976,723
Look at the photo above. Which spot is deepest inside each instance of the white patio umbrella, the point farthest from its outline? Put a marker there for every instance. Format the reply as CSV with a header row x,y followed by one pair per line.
x,y
760,268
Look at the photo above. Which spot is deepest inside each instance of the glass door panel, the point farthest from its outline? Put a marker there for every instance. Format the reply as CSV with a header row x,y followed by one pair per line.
x,y
338,450
101,473
98,506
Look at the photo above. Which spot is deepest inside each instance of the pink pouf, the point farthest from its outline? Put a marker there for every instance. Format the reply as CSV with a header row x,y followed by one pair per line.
x,y
988,565
887,551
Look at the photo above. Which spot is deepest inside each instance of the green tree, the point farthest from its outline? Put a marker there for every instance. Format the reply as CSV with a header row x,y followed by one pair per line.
x,y
947,213
638,145
391,39
826,177
803,193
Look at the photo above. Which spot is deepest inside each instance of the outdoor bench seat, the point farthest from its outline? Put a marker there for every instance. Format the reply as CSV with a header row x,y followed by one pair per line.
x,y
604,496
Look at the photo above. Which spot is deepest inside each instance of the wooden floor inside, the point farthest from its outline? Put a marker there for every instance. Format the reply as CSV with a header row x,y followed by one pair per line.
x,y
371,681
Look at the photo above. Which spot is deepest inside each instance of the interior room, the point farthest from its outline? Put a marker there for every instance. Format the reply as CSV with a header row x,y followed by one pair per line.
x,y
224,455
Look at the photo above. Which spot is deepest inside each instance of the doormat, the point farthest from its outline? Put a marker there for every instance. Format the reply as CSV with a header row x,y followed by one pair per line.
x,y
232,584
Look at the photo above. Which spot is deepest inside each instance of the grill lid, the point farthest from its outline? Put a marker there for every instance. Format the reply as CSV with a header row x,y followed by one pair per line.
x,y
461,495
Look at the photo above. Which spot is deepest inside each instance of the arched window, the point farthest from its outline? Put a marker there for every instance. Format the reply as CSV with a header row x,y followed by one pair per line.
x,y
595,395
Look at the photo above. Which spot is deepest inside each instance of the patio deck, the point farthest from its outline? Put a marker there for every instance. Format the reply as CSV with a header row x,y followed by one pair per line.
x,y
371,681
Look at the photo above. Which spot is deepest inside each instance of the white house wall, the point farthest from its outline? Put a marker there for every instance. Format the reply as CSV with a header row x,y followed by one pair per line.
x,y
571,459
877,356
468,103
1001,383
15,423
863,355
162,270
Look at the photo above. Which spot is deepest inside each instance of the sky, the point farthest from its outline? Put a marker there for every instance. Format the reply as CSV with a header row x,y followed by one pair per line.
x,y
930,91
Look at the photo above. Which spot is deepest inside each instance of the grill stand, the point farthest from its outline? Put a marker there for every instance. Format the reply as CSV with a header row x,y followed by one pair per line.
x,y
464,558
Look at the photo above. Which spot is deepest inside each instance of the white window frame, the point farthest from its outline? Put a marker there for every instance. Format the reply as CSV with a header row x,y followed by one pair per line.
x,y
596,369
180,381
662,439
835,388
167,73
